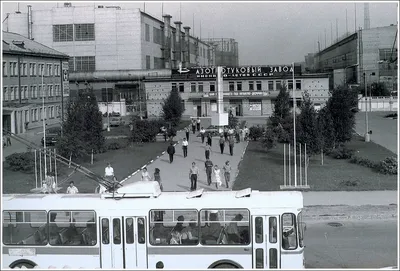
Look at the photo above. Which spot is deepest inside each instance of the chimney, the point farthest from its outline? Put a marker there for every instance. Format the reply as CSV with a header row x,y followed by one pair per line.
x,y
178,47
167,41
30,22
187,47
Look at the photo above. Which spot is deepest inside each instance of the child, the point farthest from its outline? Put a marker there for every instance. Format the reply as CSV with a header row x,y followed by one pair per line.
x,y
157,177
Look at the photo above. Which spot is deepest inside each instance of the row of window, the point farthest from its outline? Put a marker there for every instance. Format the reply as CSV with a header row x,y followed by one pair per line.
x,y
71,32
31,69
166,227
11,93
82,64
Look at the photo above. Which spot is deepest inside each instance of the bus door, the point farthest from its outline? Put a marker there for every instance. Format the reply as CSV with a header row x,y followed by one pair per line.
x,y
135,243
266,242
111,247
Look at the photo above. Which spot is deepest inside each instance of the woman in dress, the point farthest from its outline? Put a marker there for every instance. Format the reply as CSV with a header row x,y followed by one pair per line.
x,y
157,177
145,175
217,176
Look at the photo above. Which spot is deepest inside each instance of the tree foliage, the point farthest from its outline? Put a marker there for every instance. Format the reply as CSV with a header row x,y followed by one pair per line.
x,y
232,121
172,108
325,127
379,89
82,130
281,108
145,130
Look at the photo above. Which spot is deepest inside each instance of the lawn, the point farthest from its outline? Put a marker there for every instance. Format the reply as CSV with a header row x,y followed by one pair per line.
x,y
263,170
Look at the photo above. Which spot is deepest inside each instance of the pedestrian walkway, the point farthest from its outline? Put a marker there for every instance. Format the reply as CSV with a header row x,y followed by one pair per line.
x,y
175,176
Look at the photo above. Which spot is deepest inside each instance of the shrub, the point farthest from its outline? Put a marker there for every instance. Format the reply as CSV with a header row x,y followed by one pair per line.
x,y
232,121
269,139
393,115
145,130
255,132
113,146
24,162
362,162
350,183
341,153
388,166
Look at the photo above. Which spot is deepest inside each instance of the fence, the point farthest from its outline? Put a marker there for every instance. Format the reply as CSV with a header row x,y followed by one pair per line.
x,y
378,104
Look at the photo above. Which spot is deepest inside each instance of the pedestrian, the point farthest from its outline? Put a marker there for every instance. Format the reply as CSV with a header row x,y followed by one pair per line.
x,y
242,135
157,178
109,172
207,150
193,175
209,139
231,132
164,132
171,152
202,134
209,169
72,188
8,139
193,126
227,173
222,144
237,135
246,133
231,144
217,176
4,140
185,144
145,175
198,123
226,130
187,133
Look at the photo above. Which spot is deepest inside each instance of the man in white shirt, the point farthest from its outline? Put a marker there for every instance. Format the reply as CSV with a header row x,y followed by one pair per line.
x,y
109,172
72,188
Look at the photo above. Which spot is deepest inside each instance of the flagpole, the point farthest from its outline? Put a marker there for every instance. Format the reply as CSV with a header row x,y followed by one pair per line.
x,y
294,129
44,127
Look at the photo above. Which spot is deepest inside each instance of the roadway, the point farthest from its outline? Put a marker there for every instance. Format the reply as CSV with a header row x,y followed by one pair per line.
x,y
356,244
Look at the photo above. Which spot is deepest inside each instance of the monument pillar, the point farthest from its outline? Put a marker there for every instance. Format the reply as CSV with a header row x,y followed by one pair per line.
x,y
220,118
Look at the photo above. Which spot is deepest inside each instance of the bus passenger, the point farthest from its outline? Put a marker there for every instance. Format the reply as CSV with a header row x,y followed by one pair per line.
x,y
232,230
176,238
190,232
157,233
179,225
53,229
212,232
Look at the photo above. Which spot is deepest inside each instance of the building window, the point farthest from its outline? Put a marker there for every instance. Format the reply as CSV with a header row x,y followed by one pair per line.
x,y
290,84
298,84
63,32
157,36
259,85
174,87
4,68
147,32
25,69
278,85
212,86
148,62
5,94
56,70
32,69
51,91
158,63
231,86
200,87
25,92
40,69
84,32
49,70
13,69
270,85
85,63
40,91
239,86
251,85
181,87
192,87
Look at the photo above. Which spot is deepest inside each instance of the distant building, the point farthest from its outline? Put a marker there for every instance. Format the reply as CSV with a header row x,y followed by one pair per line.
x,y
248,91
226,51
24,60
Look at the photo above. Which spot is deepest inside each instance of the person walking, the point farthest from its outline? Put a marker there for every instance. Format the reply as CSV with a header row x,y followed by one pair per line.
x,y
209,169
185,144
246,133
226,131
231,144
157,177
72,188
193,126
202,134
187,133
207,150
222,144
109,172
8,139
198,123
209,139
217,176
227,173
193,174
145,175
171,152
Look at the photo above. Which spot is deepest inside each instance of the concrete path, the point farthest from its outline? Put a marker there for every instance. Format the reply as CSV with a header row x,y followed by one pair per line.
x,y
175,176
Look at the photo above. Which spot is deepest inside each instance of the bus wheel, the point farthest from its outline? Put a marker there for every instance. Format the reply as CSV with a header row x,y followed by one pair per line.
x,y
19,264
226,266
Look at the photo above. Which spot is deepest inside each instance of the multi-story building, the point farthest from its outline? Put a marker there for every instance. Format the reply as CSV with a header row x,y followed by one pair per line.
x,y
32,74
226,51
247,91
110,46
361,58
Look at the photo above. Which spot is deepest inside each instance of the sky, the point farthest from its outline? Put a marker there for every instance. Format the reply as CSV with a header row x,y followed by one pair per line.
x,y
267,32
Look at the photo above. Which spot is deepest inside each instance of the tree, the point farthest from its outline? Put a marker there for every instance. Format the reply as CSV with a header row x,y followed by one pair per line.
x,y
379,89
281,107
82,130
326,131
340,106
172,108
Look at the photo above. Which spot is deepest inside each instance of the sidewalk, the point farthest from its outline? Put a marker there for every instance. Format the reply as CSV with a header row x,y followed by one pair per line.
x,y
175,176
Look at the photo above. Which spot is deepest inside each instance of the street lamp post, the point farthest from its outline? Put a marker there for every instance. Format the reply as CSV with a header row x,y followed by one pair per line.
x,y
294,129
367,139
108,116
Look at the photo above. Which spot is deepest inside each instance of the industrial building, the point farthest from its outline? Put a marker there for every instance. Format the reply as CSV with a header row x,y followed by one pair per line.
x,y
226,51
366,56
25,64
112,48
248,91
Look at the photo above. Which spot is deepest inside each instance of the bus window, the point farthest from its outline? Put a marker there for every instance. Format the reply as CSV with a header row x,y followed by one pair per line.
x,y
72,228
141,231
272,230
129,231
260,258
117,231
301,228
273,258
25,228
259,230
225,227
289,236
173,227
105,231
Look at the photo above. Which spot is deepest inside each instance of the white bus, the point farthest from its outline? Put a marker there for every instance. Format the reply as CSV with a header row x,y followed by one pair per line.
x,y
151,229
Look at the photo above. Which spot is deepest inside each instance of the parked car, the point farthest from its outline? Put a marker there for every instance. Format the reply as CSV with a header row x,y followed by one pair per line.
x,y
51,139
116,121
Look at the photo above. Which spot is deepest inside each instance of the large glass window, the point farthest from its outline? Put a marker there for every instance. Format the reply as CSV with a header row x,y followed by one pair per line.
x,y
231,86
200,87
259,230
212,86
290,84
251,85
147,32
129,235
63,32
192,87
298,84
225,227
84,32
24,228
76,228
289,233
239,86
273,230
278,85
147,62
181,87
270,85
174,227
4,68
259,85
105,231
85,63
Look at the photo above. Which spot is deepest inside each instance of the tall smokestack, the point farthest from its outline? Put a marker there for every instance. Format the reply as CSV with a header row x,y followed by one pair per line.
x,y
178,47
30,22
187,46
167,41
